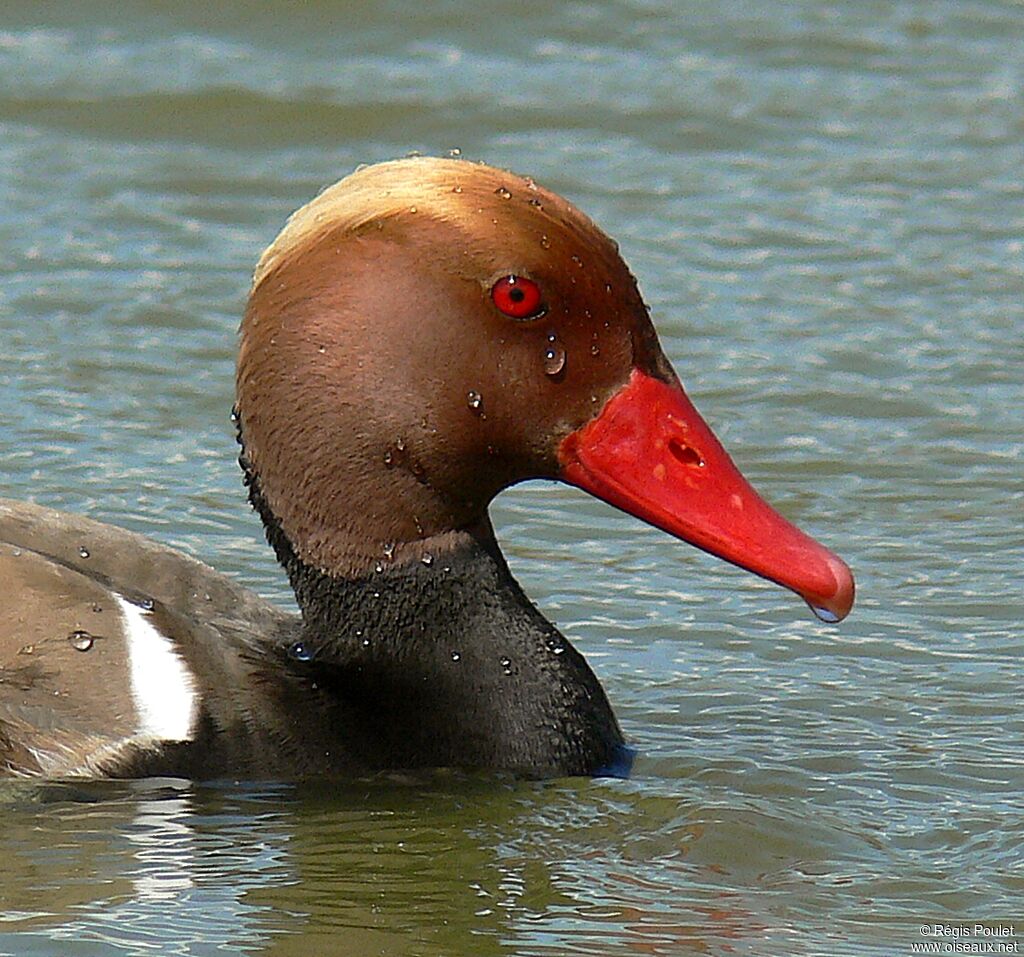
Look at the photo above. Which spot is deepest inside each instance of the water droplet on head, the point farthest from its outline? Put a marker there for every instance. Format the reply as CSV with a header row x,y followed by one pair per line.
x,y
81,640
147,604
456,189
823,614
365,642
536,202
321,349
456,656
545,242
389,459
300,651
379,567
97,607
554,357
576,259
503,193
595,349
83,552
389,550
474,400
506,664
427,559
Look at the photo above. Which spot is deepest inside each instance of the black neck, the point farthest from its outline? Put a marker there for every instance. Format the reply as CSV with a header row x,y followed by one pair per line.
x,y
449,664
441,661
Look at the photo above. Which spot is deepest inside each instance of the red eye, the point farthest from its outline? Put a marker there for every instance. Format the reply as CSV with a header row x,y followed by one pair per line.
x,y
518,297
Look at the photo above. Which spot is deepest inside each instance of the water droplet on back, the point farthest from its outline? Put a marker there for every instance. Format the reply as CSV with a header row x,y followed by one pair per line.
x,y
427,559
83,552
503,193
456,656
474,400
454,152
300,651
81,640
545,242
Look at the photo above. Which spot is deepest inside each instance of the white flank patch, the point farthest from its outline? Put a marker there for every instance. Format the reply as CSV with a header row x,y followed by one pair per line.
x,y
163,688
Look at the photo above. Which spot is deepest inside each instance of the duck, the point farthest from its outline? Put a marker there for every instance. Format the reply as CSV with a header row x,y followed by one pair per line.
x,y
422,335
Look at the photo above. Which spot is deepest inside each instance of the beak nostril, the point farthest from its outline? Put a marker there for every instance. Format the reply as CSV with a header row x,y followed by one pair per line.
x,y
684,454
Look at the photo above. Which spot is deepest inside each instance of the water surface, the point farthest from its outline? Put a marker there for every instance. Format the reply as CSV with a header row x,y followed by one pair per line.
x,y
823,202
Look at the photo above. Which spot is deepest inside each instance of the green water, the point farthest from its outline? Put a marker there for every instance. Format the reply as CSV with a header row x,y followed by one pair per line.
x,y
823,202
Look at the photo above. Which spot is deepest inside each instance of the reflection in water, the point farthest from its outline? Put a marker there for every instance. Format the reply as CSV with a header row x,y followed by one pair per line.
x,y
133,866
164,845
435,865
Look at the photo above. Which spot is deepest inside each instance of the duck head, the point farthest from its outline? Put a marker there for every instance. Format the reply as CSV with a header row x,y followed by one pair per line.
x,y
428,332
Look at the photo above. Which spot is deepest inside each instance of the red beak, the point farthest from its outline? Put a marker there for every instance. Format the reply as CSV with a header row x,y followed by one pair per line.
x,y
650,453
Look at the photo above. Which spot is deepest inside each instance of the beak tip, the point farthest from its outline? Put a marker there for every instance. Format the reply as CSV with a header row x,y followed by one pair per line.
x,y
835,607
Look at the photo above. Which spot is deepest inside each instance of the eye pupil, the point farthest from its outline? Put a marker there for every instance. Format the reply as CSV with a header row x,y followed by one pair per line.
x,y
518,297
